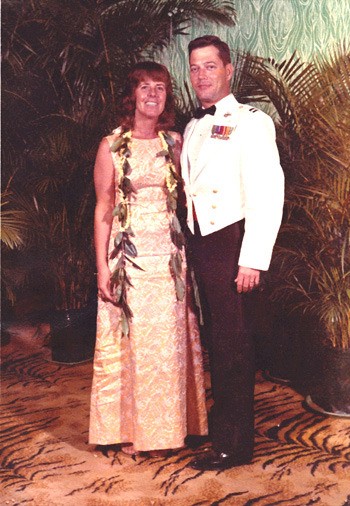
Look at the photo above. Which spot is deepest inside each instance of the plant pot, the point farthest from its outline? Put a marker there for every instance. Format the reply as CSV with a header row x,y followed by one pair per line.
x,y
330,391
73,333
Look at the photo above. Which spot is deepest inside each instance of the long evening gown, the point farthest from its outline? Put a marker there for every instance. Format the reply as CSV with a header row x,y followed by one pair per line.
x,y
148,389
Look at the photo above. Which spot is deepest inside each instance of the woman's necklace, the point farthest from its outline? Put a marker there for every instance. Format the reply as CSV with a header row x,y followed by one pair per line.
x,y
124,248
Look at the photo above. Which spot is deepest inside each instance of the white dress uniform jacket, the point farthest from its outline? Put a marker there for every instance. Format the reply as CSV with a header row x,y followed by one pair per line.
x,y
237,177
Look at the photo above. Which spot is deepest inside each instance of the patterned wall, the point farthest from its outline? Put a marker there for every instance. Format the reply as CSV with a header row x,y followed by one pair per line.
x,y
272,28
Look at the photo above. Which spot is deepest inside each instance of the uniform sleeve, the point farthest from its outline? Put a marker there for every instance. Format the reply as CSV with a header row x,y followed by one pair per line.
x,y
262,183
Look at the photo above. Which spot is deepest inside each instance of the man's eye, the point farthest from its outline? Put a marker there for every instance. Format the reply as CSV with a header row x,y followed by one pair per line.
x,y
193,69
210,67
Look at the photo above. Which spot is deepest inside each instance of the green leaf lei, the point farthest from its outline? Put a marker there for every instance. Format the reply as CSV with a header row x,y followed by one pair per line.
x,y
124,248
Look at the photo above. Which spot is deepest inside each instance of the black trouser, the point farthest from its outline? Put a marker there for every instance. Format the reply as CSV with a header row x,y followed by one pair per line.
x,y
229,340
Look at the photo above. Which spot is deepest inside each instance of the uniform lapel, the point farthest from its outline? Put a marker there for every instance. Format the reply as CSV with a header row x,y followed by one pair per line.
x,y
225,115
204,157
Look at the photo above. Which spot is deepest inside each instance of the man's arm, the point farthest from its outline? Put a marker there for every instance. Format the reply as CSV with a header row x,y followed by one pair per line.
x,y
263,192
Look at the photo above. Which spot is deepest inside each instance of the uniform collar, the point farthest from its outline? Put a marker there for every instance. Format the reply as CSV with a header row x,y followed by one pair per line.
x,y
224,106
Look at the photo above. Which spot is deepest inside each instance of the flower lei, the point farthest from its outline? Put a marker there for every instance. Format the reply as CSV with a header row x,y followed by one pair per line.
x,y
123,245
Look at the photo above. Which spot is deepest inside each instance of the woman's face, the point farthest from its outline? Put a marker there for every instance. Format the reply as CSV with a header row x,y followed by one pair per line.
x,y
150,99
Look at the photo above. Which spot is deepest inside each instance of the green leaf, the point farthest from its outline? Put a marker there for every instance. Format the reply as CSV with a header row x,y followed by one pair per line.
x,y
118,239
176,224
125,306
121,262
114,253
177,238
118,293
176,263
180,289
169,139
164,152
125,324
172,202
121,211
121,274
126,168
114,276
133,263
171,154
117,144
130,248
130,232
128,280
127,186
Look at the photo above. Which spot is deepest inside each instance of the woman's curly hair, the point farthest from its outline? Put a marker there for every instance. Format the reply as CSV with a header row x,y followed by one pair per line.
x,y
141,72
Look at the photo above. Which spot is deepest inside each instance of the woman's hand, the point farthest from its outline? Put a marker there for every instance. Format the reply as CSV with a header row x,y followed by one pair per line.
x,y
104,285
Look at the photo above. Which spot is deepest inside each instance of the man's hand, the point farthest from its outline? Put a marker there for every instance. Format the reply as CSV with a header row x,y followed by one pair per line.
x,y
247,279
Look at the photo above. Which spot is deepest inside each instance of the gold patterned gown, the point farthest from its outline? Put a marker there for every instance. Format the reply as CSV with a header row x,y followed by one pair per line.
x,y
148,389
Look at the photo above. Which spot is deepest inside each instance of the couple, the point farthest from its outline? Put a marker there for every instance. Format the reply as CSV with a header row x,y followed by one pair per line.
x,y
148,387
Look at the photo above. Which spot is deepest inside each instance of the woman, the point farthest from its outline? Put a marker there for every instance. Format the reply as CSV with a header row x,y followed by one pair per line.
x,y
148,392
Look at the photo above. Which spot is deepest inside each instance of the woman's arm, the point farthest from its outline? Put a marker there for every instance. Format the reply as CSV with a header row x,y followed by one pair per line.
x,y
105,196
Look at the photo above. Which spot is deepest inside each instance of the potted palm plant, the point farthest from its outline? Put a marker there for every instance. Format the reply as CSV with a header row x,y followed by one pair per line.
x,y
47,238
310,273
312,260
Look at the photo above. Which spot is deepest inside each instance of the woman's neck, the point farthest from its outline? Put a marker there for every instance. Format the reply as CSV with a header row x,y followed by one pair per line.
x,y
145,131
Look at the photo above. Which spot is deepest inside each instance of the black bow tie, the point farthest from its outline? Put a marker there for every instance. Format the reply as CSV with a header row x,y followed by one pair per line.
x,y
200,112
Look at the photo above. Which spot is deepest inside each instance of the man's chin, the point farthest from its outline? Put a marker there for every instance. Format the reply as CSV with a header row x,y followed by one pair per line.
x,y
203,94
205,100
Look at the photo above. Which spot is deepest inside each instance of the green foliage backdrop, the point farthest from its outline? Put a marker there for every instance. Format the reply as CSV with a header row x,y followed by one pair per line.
x,y
272,29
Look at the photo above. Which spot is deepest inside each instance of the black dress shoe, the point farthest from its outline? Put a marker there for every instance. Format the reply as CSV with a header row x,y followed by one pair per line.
x,y
217,461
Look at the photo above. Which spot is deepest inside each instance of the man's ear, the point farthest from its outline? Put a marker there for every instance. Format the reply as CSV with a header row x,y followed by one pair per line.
x,y
229,71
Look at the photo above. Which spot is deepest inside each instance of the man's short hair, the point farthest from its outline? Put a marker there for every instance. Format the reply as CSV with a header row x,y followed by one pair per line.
x,y
211,40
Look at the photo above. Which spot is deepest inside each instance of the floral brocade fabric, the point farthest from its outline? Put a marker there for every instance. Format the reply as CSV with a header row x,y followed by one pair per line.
x,y
148,389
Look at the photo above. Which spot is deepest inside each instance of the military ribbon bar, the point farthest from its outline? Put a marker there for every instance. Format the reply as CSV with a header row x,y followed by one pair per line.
x,y
221,132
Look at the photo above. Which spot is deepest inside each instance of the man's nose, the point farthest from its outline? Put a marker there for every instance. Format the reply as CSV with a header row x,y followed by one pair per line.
x,y
202,73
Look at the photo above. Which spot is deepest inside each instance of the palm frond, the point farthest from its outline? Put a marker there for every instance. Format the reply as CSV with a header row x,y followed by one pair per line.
x,y
64,67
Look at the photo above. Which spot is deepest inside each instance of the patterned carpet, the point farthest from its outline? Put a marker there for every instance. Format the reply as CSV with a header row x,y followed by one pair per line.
x,y
301,458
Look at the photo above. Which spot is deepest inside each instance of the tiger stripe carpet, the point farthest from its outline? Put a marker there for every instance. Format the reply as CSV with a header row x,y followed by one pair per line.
x,y
301,458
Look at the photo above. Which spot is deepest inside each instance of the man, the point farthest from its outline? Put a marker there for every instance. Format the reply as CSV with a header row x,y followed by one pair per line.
x,y
234,190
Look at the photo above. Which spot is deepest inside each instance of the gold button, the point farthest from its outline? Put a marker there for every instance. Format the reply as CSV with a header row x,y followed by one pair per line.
x,y
215,191
213,206
212,223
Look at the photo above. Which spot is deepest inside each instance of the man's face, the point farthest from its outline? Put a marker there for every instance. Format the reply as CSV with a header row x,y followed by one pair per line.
x,y
210,78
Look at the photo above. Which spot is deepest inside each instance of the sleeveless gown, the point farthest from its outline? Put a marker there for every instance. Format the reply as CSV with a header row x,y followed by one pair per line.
x,y
148,389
